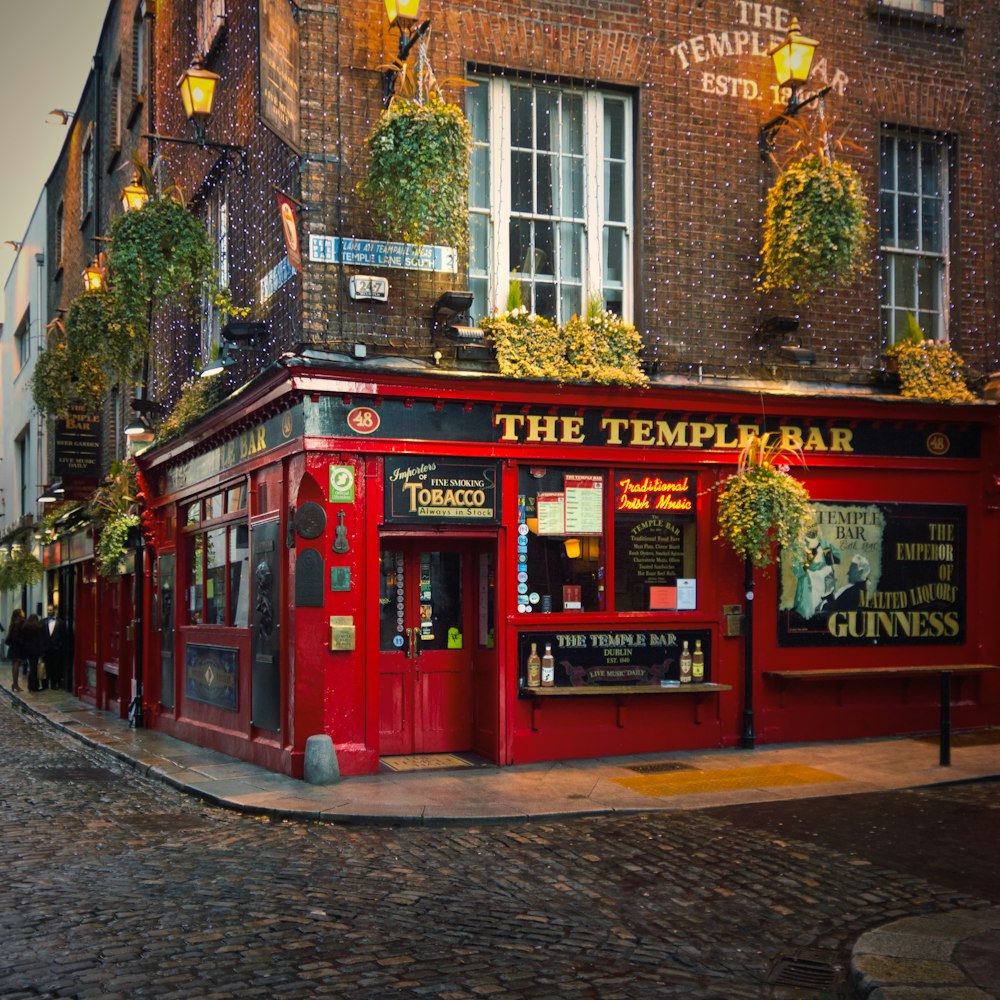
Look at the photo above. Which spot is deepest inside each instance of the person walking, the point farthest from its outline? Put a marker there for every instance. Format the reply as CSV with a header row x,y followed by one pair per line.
x,y
13,641
55,656
34,643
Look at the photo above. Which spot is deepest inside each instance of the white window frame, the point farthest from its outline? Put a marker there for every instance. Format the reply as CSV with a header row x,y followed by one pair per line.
x,y
87,175
498,213
932,8
217,225
933,321
116,107
60,233
139,52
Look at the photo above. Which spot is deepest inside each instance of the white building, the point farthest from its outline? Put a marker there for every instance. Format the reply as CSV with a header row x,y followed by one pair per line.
x,y
23,436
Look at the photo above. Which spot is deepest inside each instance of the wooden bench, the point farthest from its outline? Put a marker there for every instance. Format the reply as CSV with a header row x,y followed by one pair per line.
x,y
619,692
944,671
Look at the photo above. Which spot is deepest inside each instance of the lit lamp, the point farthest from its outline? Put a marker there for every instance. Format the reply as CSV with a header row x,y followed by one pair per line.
x,y
134,196
402,14
197,87
792,60
93,276
138,430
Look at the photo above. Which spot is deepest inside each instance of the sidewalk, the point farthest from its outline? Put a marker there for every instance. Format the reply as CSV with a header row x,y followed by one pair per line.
x,y
954,956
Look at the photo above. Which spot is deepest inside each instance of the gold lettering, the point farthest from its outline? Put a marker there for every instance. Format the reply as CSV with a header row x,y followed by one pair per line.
x,y
510,422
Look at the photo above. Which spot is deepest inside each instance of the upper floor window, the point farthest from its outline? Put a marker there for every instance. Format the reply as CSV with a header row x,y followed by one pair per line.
x,y
933,7
60,226
22,339
217,225
87,178
139,51
914,189
211,21
116,107
550,199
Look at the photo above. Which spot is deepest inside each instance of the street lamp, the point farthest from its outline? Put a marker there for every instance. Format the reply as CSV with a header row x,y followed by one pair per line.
x,y
403,15
792,59
94,275
134,196
197,88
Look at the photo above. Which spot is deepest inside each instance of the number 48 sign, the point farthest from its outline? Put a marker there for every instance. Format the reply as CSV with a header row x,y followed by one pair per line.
x,y
341,484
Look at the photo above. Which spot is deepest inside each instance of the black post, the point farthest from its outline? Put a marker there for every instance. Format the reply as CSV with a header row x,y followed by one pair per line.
x,y
748,740
136,719
945,749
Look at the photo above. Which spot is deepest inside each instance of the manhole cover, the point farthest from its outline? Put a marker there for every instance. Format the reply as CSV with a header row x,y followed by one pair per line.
x,y
803,972
661,767
78,773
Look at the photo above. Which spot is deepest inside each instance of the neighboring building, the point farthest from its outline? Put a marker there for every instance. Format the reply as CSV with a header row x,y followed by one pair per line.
x,y
23,437
368,538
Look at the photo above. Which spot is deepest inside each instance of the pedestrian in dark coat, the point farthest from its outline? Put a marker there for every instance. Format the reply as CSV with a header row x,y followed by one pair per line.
x,y
13,641
34,643
55,656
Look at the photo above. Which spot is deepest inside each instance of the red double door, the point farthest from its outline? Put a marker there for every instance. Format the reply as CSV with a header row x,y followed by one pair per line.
x,y
431,623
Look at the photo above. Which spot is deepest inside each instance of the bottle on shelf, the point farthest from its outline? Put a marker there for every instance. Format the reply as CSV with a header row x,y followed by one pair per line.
x,y
534,667
548,668
698,664
685,664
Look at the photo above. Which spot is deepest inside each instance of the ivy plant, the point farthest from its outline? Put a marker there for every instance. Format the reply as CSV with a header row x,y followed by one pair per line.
x,y
22,569
929,369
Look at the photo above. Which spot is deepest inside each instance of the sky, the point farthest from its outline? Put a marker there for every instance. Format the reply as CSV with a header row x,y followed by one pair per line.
x,y
46,50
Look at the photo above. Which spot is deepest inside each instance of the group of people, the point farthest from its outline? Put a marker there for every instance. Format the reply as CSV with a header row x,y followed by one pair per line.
x,y
34,641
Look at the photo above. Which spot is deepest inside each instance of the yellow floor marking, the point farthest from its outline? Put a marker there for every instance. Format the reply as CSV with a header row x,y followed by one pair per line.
x,y
695,782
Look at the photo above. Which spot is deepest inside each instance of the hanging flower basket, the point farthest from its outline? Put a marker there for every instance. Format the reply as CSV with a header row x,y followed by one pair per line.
x,y
762,505
417,179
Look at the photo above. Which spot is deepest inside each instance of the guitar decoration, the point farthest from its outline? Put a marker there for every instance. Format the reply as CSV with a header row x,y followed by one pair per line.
x,y
340,542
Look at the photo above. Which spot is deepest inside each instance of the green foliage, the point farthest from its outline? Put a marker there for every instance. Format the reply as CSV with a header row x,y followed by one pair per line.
x,y
112,543
762,504
929,369
116,513
417,181
603,348
815,228
22,569
198,396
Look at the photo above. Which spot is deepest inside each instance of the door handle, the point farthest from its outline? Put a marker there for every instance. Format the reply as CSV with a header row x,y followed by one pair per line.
x,y
410,635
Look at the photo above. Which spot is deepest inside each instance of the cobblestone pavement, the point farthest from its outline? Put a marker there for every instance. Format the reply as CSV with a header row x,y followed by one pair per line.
x,y
117,886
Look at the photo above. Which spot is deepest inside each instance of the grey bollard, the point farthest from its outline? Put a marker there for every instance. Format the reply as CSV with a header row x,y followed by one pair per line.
x,y
320,766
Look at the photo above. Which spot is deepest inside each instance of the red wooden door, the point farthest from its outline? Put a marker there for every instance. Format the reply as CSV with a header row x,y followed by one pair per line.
x,y
425,646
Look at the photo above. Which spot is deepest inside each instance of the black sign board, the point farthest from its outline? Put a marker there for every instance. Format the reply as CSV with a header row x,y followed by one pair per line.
x,y
877,574
614,658
78,444
279,69
421,490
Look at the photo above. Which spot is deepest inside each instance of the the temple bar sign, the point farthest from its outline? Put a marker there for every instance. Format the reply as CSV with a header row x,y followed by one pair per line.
x,y
78,444
426,490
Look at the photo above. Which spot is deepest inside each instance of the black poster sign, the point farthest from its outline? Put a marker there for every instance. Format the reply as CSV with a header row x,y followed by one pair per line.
x,y
265,615
78,444
616,658
421,490
877,574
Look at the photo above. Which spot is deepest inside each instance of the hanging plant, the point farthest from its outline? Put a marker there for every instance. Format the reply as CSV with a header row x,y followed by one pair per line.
x,y
763,505
116,515
816,227
417,179
929,369
22,569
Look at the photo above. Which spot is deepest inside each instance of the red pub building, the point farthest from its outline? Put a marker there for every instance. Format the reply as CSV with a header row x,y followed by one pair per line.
x,y
377,537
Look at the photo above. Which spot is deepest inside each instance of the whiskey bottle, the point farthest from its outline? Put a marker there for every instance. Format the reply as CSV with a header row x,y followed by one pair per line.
x,y
548,668
698,664
685,664
534,667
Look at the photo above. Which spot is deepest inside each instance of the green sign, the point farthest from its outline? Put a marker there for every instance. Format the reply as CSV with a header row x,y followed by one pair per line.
x,y
341,484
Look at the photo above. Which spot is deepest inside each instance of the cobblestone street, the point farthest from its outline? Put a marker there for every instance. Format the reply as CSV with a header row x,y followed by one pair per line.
x,y
118,886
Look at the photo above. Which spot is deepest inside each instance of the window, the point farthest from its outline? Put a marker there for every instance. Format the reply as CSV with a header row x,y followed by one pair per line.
x,y
914,234
218,591
116,107
211,21
217,225
22,339
550,197
932,7
87,177
60,220
581,550
139,52
22,450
